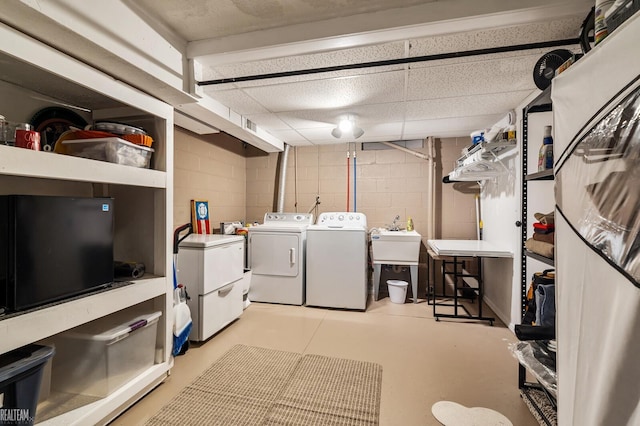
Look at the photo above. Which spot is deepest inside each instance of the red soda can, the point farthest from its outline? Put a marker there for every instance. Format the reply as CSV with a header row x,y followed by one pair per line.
x,y
26,137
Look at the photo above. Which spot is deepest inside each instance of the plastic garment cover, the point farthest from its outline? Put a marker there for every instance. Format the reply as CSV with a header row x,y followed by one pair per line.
x,y
598,186
597,299
536,356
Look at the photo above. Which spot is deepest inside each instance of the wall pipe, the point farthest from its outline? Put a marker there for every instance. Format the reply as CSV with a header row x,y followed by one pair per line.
x,y
407,150
283,178
354,179
348,177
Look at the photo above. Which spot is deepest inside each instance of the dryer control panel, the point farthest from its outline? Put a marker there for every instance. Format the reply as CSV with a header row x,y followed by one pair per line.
x,y
341,219
288,218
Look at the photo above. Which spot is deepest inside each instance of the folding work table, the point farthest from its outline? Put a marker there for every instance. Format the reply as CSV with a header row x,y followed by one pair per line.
x,y
455,249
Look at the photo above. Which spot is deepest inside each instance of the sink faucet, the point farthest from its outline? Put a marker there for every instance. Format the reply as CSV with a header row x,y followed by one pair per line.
x,y
394,226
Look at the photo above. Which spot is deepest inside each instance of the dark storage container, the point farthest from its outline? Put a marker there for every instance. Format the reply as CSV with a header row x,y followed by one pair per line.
x,y
20,377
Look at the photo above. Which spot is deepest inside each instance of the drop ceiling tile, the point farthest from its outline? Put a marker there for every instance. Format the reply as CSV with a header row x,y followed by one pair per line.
x,y
237,100
386,131
301,143
306,119
268,121
208,72
503,36
289,136
462,125
514,56
358,55
316,133
471,78
494,103
333,93
364,114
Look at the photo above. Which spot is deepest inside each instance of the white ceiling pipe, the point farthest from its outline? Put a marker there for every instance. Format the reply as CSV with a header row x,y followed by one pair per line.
x,y
407,150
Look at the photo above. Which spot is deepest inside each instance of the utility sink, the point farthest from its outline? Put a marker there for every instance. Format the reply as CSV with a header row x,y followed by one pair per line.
x,y
395,247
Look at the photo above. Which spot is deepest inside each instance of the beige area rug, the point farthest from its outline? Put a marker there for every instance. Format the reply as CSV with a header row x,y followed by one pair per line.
x,y
257,386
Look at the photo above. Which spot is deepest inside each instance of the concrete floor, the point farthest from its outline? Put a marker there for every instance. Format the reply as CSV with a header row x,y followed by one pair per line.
x,y
423,361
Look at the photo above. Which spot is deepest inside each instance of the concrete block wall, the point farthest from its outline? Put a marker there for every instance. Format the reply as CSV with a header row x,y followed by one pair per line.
x,y
389,182
241,182
457,201
212,168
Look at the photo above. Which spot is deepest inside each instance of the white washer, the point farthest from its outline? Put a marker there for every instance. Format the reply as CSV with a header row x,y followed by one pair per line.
x,y
277,258
337,261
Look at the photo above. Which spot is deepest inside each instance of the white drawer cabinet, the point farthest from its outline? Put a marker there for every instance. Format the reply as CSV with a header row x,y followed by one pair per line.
x,y
216,310
211,267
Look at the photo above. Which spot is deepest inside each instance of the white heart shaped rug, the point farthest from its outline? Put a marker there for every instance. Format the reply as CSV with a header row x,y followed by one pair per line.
x,y
453,414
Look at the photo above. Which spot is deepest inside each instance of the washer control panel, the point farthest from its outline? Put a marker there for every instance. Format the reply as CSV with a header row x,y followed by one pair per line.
x,y
299,218
341,219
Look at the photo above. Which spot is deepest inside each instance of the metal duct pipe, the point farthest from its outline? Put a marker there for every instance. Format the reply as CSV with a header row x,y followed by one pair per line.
x,y
431,190
407,150
283,178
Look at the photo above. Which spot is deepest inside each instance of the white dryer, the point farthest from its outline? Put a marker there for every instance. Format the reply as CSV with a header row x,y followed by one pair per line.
x,y
337,267
277,258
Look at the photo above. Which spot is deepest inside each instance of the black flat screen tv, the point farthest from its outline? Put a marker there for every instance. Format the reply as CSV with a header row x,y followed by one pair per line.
x,y
52,248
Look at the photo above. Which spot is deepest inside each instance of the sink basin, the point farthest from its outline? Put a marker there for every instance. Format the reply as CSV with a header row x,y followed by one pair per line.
x,y
395,247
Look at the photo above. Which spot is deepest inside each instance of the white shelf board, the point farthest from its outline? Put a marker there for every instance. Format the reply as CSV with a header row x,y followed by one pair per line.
x,y
32,64
483,162
39,164
20,330
97,411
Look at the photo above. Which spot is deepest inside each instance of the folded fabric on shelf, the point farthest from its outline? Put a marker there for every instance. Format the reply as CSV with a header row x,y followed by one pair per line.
x,y
545,219
542,228
540,247
547,238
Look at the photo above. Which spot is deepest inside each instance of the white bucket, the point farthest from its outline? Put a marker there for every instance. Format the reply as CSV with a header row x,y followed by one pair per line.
x,y
397,290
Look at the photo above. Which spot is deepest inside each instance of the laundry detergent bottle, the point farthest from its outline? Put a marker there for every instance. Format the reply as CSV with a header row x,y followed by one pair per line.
x,y
545,157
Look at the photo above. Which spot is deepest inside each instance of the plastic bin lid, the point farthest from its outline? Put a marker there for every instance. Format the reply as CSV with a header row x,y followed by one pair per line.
x,y
23,359
105,332
209,240
112,140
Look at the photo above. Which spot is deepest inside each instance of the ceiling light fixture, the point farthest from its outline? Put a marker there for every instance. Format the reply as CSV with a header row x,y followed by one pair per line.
x,y
345,126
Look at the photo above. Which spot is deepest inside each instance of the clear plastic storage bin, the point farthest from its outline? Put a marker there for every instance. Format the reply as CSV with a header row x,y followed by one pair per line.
x,y
97,358
113,150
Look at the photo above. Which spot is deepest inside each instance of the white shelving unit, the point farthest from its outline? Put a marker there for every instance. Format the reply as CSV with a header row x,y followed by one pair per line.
x,y
35,76
483,161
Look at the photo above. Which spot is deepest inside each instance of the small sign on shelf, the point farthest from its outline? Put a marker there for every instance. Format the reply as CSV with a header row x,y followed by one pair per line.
x,y
200,217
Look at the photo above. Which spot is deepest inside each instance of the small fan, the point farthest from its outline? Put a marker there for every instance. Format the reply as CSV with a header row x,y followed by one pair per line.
x,y
587,31
546,67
